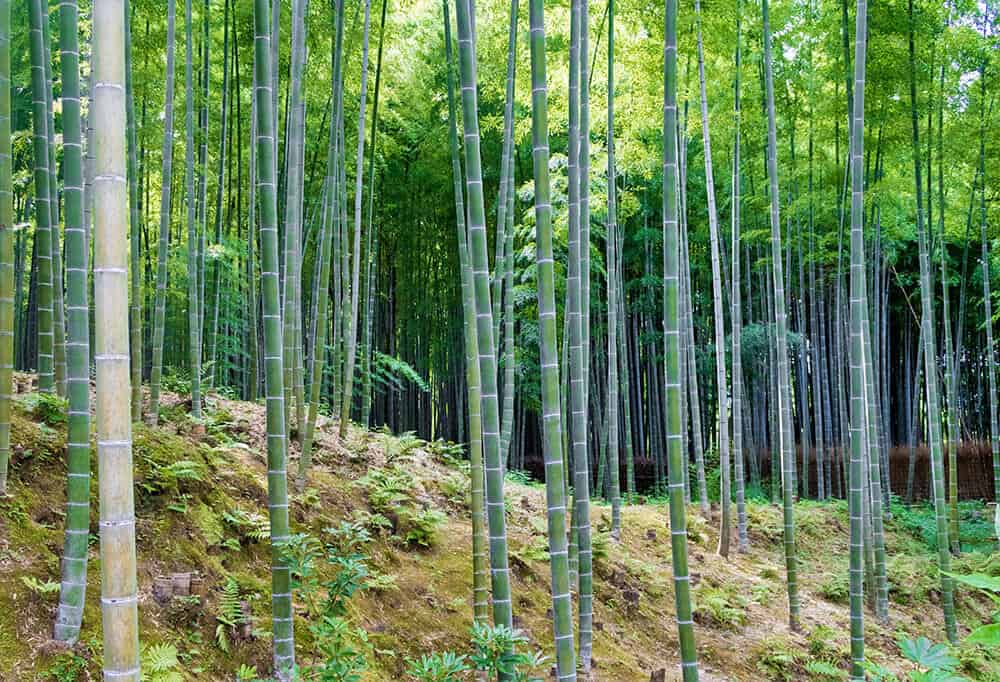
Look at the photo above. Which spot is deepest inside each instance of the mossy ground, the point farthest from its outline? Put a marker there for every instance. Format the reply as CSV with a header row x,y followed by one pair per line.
x,y
185,523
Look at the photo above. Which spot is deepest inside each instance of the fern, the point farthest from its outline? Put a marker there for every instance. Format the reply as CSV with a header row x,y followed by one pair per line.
x,y
230,613
160,663
392,373
40,587
821,670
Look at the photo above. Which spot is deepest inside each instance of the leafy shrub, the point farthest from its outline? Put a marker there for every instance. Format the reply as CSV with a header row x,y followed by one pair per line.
x,y
423,527
437,667
42,588
822,670
455,487
495,652
451,454
776,660
67,668
47,408
719,605
387,488
250,526
835,587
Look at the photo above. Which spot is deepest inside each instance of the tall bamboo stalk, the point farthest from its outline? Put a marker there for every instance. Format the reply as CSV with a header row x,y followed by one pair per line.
x,y
43,231
352,334
74,562
194,318
119,598
991,365
725,486
786,450
135,227
856,483
743,541
555,492
277,477
7,307
612,277
930,364
672,351
499,570
166,186
480,590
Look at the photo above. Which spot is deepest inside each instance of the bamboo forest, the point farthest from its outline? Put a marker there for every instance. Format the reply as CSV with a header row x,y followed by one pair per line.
x,y
499,340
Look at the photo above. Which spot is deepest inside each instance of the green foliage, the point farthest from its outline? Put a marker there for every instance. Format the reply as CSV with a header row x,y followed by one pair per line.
x,y
423,526
167,477
437,667
387,489
47,408
342,648
934,662
251,526
452,454
246,673
42,588
455,487
230,615
776,660
719,605
160,663
821,670
977,529
495,652
392,374
68,667
835,588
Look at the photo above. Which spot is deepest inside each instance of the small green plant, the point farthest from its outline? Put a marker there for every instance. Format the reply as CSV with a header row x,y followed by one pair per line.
x,y
452,454
776,660
933,662
42,588
246,673
381,582
230,616
164,478
251,526
455,487
68,667
423,527
720,605
987,635
343,649
437,667
376,523
47,408
823,670
495,652
349,536
835,588
387,488
160,663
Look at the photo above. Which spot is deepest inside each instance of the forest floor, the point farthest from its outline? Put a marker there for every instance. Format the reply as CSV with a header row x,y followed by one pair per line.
x,y
201,497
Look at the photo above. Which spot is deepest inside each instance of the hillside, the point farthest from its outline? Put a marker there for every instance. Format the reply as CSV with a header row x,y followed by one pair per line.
x,y
201,500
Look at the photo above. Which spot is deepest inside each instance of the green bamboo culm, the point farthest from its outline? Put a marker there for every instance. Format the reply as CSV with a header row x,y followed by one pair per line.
x,y
166,184
43,232
277,479
856,484
930,364
577,366
6,249
612,277
352,333
194,318
74,561
114,424
505,227
499,569
480,589
786,448
135,227
555,491
743,540
676,458
294,154
331,208
991,366
725,486
58,308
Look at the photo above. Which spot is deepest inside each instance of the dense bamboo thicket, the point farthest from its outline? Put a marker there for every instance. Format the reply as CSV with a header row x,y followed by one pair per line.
x,y
781,297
